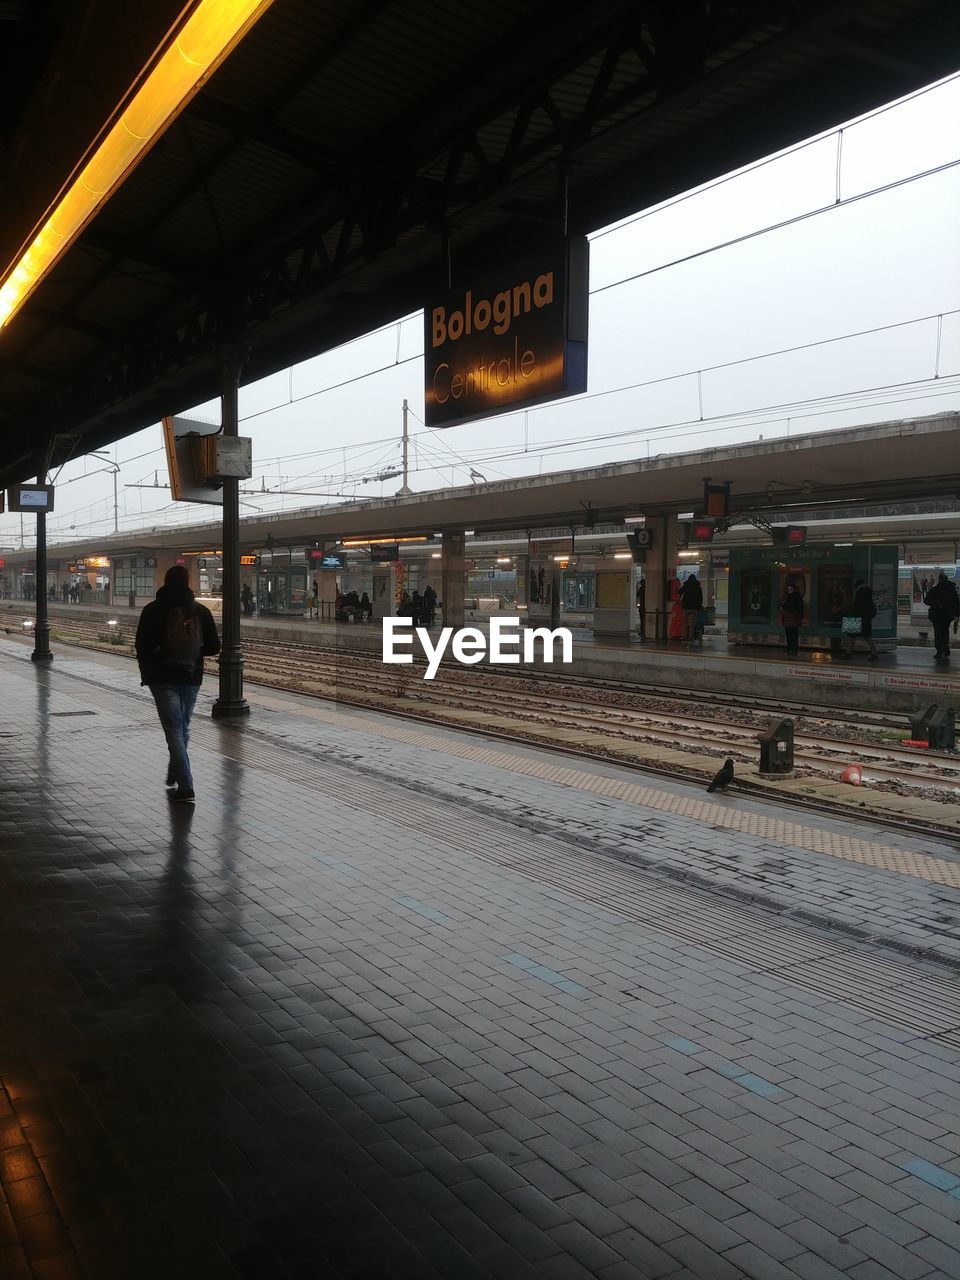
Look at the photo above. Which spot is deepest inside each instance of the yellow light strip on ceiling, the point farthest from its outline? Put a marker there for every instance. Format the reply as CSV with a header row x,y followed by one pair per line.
x,y
387,541
205,39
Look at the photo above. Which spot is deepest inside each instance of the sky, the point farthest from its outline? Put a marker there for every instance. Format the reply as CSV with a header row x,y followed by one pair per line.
x,y
815,290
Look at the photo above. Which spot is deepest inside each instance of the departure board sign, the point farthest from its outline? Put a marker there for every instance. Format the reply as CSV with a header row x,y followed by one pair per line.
x,y
30,497
514,337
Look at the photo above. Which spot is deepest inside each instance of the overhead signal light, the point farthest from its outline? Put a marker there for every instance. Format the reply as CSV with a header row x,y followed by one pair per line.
x,y
716,500
791,535
702,530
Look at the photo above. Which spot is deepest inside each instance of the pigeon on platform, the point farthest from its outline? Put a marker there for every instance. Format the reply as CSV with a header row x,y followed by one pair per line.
x,y
724,777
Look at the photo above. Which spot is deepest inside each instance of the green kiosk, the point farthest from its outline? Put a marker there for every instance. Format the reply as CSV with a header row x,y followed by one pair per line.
x,y
825,576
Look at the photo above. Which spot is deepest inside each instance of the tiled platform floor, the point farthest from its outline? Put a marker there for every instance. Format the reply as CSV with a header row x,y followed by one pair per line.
x,y
391,1003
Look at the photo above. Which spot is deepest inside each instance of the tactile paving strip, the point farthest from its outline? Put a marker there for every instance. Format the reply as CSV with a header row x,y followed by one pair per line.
x,y
778,831
909,996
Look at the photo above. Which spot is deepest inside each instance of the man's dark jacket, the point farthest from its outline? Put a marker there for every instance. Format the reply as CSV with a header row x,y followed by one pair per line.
x,y
152,631
942,601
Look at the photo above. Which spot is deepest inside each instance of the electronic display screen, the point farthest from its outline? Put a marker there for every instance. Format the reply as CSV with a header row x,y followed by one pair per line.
x,y
31,497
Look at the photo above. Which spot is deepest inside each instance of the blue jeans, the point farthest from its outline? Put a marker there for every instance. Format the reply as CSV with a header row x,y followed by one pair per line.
x,y
175,703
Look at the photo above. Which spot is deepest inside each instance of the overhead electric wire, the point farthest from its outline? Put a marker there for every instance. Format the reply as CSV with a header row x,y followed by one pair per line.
x,y
673,262
335,386
756,165
841,402
779,226
594,442
715,368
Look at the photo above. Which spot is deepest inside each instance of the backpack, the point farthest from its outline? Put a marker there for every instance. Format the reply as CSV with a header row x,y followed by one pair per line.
x,y
182,645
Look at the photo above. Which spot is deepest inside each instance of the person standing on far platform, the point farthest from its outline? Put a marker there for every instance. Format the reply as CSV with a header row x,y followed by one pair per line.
x,y
791,614
174,635
864,609
429,605
943,607
691,602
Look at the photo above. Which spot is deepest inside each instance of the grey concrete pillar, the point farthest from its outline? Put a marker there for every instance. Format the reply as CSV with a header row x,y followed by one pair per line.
x,y
705,574
453,577
166,560
660,568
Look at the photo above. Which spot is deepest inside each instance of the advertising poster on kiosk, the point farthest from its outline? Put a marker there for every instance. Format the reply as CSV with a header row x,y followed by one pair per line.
x,y
834,594
756,603
924,577
883,581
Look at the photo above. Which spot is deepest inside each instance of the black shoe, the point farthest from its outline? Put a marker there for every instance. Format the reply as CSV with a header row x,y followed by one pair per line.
x,y
182,797
170,783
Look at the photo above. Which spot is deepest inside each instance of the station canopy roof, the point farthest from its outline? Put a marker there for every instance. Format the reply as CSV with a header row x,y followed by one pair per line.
x,y
303,196
889,462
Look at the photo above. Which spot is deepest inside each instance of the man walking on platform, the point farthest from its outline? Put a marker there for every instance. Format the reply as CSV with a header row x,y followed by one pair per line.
x,y
943,605
174,635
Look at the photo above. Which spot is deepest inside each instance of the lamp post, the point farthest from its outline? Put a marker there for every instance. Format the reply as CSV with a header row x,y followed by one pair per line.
x,y
231,701
104,457
41,634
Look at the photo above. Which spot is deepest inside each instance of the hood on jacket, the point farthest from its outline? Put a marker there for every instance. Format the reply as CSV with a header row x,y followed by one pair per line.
x,y
172,597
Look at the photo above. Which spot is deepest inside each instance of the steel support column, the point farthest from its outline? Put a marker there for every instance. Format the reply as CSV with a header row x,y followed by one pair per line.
x,y
41,632
231,701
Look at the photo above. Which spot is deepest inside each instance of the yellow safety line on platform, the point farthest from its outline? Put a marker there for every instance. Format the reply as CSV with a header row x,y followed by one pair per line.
x,y
778,830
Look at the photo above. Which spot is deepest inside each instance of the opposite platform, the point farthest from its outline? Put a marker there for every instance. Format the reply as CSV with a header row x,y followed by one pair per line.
x,y
901,681
398,1002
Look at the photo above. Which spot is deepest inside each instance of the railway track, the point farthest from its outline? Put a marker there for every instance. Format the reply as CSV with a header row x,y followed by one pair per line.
x,y
724,724
815,751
